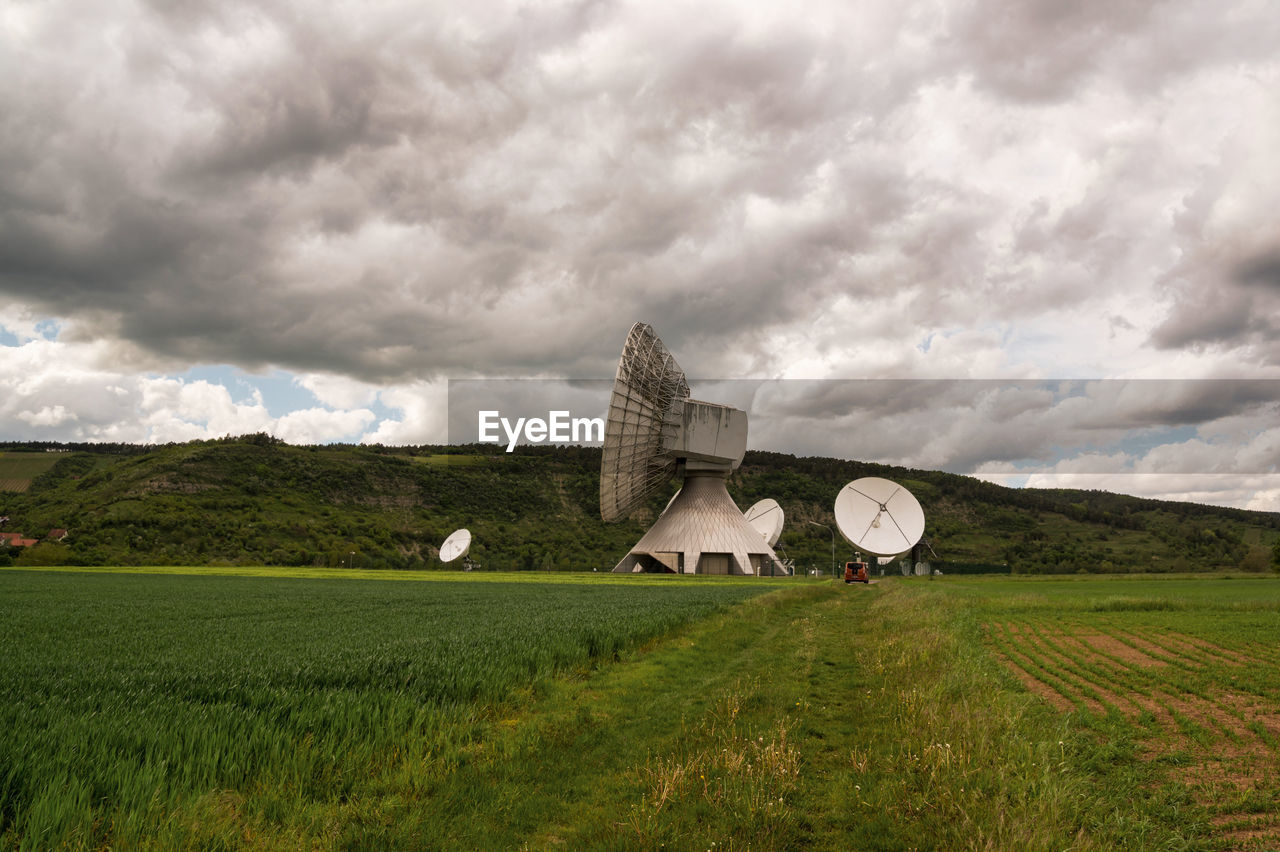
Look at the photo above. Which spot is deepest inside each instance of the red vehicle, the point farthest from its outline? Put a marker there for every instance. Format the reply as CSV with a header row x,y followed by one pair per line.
x,y
856,572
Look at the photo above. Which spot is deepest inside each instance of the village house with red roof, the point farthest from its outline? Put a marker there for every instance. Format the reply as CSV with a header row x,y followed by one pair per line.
x,y
16,540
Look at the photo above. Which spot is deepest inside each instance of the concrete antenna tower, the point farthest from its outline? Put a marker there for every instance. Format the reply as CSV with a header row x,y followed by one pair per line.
x,y
656,432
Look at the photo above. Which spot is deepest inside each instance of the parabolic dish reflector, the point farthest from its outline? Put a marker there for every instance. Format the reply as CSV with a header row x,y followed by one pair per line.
x,y
649,391
879,516
457,544
767,519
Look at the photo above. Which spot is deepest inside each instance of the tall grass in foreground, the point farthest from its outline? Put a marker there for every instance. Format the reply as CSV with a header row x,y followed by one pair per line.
x,y
123,695
948,755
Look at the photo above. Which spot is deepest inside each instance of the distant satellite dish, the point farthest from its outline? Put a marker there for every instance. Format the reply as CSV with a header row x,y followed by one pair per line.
x,y
905,568
457,544
879,516
767,518
922,569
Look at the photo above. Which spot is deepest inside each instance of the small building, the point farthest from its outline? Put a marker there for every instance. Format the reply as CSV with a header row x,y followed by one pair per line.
x,y
56,534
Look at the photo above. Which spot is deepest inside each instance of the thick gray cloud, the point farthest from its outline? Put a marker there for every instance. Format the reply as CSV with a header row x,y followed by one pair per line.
x,y
385,191
399,193
1243,311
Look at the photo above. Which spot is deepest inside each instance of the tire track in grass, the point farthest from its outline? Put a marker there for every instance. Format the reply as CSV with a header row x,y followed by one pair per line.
x,y
1262,718
1087,673
1231,752
1197,715
1082,688
1228,743
1121,683
1035,677
1180,642
1155,680
1079,689
1026,671
1246,832
1186,724
1146,680
1204,707
1176,646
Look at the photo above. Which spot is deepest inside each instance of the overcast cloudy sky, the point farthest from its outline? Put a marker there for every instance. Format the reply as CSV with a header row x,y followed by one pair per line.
x,y
305,217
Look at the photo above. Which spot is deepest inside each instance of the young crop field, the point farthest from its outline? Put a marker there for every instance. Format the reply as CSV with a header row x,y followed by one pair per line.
x,y
1187,672
242,708
121,694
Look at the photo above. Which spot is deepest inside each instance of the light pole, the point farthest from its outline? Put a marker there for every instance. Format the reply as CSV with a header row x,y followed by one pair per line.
x,y
833,544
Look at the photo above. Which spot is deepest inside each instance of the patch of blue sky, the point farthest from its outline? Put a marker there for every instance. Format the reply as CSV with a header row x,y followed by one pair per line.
x,y
45,329
279,389
1141,441
1135,445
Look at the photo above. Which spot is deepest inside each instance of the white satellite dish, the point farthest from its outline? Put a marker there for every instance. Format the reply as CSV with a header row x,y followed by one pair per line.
x,y
905,567
654,431
879,516
457,544
767,518
922,569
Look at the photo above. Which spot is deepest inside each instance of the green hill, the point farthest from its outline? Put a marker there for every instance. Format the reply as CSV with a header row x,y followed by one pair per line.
x,y
254,500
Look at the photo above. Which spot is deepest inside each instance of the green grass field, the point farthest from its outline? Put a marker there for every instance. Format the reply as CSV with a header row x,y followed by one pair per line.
x,y
276,709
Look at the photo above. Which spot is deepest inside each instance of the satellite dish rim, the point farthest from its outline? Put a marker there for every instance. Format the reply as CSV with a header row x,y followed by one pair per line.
x,y
648,388
767,518
879,516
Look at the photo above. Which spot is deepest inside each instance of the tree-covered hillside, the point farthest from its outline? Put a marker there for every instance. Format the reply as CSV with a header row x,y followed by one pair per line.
x,y
254,500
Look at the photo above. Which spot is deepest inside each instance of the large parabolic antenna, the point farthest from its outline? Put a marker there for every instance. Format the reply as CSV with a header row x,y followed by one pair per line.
x,y
879,516
767,518
655,432
457,544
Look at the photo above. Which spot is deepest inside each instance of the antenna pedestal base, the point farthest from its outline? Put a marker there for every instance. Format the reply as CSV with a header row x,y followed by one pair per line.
x,y
702,532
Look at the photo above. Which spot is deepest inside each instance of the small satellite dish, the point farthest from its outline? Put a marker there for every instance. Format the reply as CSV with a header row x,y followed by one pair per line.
x,y
457,544
879,516
922,569
767,518
905,567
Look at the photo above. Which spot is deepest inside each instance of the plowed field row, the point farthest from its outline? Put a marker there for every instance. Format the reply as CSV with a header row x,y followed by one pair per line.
x,y
1184,697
